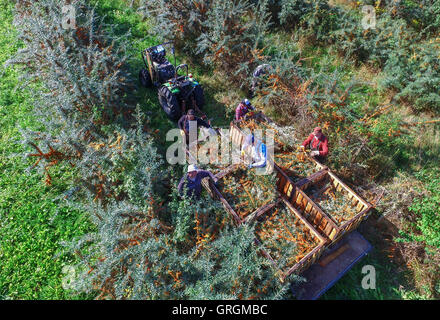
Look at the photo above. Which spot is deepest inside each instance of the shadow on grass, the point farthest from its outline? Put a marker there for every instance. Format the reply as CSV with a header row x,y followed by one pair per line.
x,y
390,267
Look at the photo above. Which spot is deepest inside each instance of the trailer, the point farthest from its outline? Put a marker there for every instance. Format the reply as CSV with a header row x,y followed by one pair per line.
x,y
303,198
335,262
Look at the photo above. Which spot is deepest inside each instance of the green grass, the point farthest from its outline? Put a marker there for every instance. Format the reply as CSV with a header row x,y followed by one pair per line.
x,y
32,222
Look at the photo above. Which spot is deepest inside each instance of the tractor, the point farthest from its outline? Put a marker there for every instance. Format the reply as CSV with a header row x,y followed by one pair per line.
x,y
177,93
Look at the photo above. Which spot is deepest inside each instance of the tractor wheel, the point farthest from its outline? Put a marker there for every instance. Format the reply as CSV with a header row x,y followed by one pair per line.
x,y
169,103
144,78
199,96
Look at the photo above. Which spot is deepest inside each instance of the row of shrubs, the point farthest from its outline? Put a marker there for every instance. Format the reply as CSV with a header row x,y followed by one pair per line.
x,y
229,36
147,243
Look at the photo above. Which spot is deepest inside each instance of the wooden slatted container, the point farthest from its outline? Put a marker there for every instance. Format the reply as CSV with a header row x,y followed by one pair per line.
x,y
311,257
294,188
234,203
311,211
293,194
308,259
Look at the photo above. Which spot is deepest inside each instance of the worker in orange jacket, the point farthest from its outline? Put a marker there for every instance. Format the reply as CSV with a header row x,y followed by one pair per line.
x,y
317,143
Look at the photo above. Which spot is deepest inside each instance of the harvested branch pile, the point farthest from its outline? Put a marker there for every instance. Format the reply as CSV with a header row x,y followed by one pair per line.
x,y
255,124
295,163
246,191
334,203
286,238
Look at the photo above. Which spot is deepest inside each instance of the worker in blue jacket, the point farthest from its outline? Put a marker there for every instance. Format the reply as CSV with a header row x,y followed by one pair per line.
x,y
256,149
192,181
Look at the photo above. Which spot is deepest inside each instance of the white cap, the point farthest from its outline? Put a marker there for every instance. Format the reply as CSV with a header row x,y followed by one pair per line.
x,y
192,167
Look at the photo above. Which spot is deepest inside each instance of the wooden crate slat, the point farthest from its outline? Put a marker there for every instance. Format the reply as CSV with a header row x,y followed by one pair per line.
x,y
299,197
322,226
360,206
354,201
328,229
299,216
339,188
317,219
260,211
348,188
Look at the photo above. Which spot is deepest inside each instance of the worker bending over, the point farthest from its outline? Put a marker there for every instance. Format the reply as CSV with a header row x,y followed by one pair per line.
x,y
318,144
192,180
184,121
242,109
256,149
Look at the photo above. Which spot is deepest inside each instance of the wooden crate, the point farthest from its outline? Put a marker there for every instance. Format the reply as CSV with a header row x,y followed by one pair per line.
x,y
288,166
312,255
215,193
246,211
303,207
305,261
311,211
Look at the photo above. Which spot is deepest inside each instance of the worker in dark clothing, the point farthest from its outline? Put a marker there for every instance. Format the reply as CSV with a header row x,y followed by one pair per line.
x,y
261,70
192,180
242,109
318,144
184,121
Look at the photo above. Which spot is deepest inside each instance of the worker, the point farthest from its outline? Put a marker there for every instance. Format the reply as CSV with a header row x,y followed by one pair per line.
x,y
318,144
242,109
257,82
184,121
192,180
257,151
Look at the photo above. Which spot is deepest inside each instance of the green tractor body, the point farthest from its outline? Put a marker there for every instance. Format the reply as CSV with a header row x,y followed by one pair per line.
x,y
177,93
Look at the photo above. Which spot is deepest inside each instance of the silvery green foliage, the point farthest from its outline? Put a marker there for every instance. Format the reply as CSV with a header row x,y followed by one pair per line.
x,y
133,251
422,15
133,255
414,72
80,82
225,34
398,44
178,20
82,68
240,275
233,38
